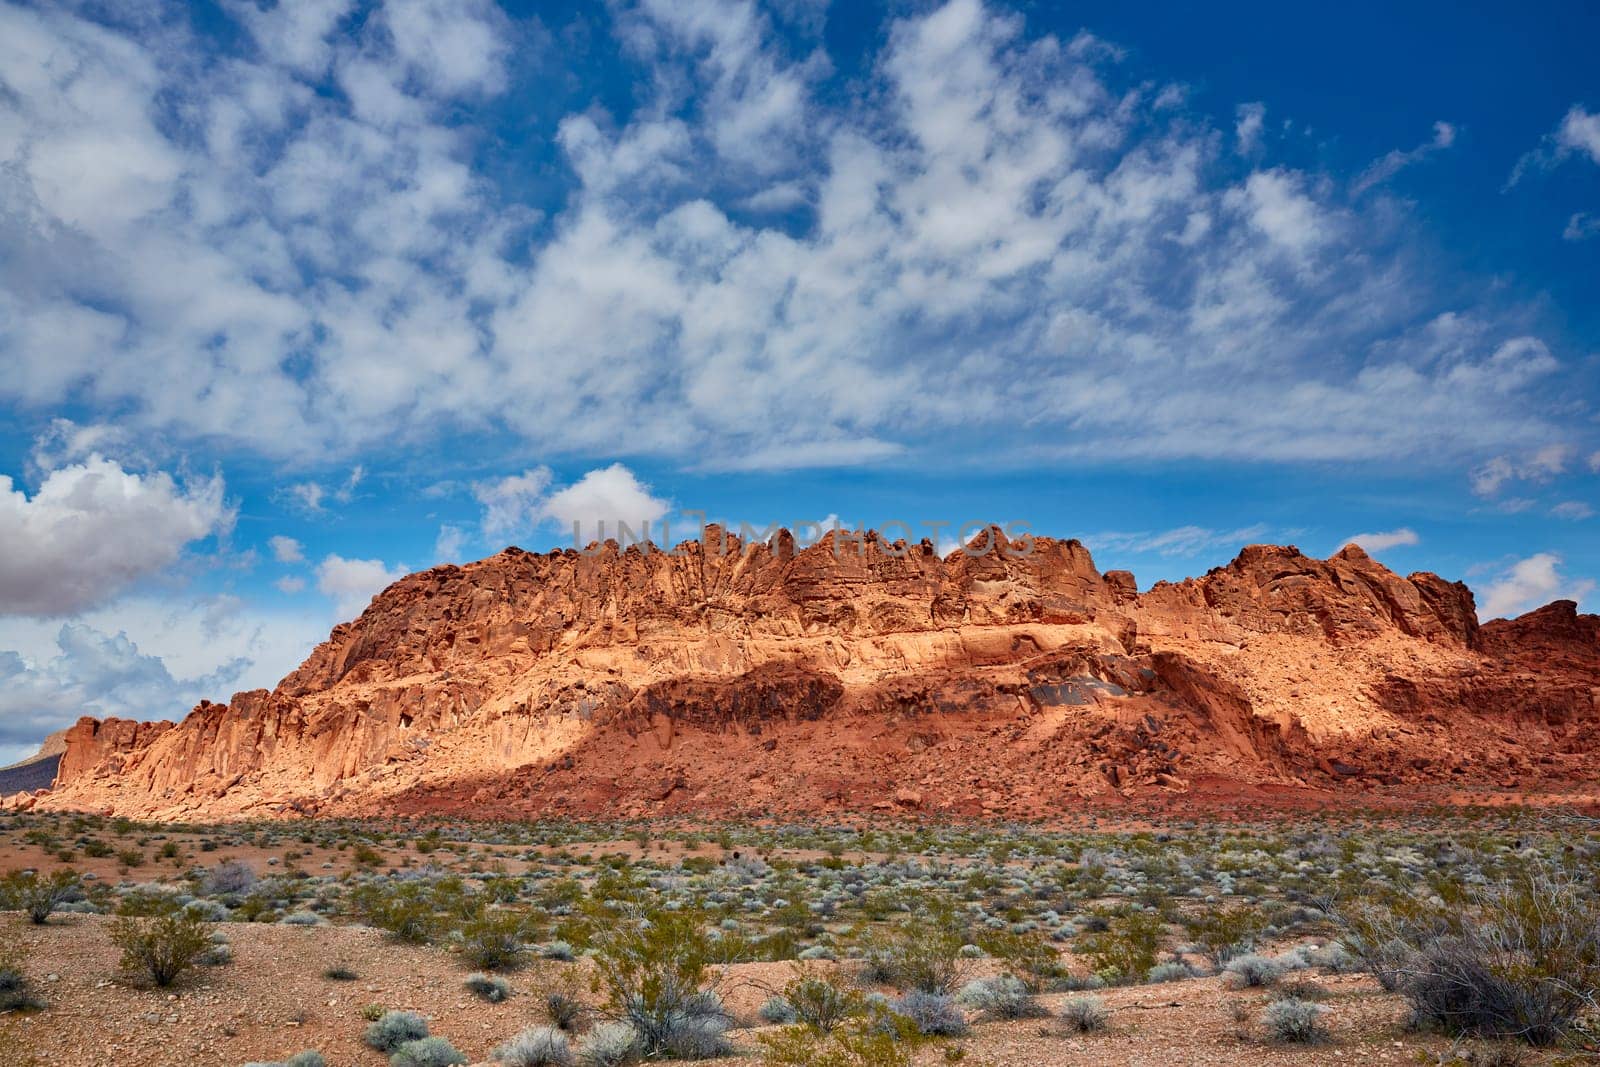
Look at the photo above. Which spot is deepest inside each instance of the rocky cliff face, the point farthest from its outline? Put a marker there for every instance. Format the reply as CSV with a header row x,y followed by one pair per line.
x,y
731,678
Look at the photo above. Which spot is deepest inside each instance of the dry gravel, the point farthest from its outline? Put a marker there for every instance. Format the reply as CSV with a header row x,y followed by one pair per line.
x,y
272,1001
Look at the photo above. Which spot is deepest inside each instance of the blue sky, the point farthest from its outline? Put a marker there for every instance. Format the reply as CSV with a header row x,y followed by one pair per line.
x,y
296,298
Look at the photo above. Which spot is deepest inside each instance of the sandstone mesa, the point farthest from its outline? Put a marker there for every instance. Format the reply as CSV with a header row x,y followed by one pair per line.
x,y
765,678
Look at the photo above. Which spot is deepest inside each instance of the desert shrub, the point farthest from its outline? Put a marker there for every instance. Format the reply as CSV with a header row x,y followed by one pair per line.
x,y
537,1046
160,948
698,1037
863,1042
488,987
35,894
301,918
1001,997
1519,958
341,972
652,970
1168,972
1028,957
1295,1021
563,1009
1224,933
1127,949
558,950
427,1052
933,1014
1252,972
1085,1014
1333,958
299,1059
921,955
609,1045
777,1011
495,940
393,1029
231,878
408,911
16,992
820,1001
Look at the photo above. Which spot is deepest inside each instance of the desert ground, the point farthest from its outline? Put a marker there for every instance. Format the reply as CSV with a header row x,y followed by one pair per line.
x,y
1176,938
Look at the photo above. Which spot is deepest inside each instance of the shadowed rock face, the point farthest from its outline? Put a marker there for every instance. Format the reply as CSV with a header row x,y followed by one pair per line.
x,y
727,678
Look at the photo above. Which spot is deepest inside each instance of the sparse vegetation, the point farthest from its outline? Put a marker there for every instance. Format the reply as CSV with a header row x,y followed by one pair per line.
x,y
161,948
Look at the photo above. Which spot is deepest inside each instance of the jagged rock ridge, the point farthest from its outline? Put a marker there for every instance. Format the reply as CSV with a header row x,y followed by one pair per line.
x,y
732,678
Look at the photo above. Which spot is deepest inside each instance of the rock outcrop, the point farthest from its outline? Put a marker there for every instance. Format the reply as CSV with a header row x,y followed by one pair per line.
x,y
1009,678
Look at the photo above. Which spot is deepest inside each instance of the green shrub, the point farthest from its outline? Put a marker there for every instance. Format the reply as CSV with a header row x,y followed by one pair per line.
x,y
35,894
1226,932
495,940
652,970
161,948
299,1059
863,1042
1127,949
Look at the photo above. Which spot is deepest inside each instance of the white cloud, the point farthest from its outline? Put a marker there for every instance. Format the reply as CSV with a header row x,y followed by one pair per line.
x,y
603,499
1531,583
286,549
1581,226
1444,135
352,583
512,503
91,529
1180,541
1538,466
324,267
312,497
94,673
1594,462
290,583
1577,134
450,544
1247,128
1572,509
1379,542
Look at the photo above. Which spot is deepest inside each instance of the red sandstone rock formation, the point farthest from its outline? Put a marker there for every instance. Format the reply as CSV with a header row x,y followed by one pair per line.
x,y
730,678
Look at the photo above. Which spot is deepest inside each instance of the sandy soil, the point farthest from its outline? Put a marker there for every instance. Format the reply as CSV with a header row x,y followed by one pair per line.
x,y
273,1001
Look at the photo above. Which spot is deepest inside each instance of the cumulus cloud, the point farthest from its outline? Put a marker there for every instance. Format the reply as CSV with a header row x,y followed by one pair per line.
x,y
1380,542
286,549
1531,583
739,270
450,543
1444,135
601,500
1572,509
520,502
352,583
1180,541
99,674
92,529
512,503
